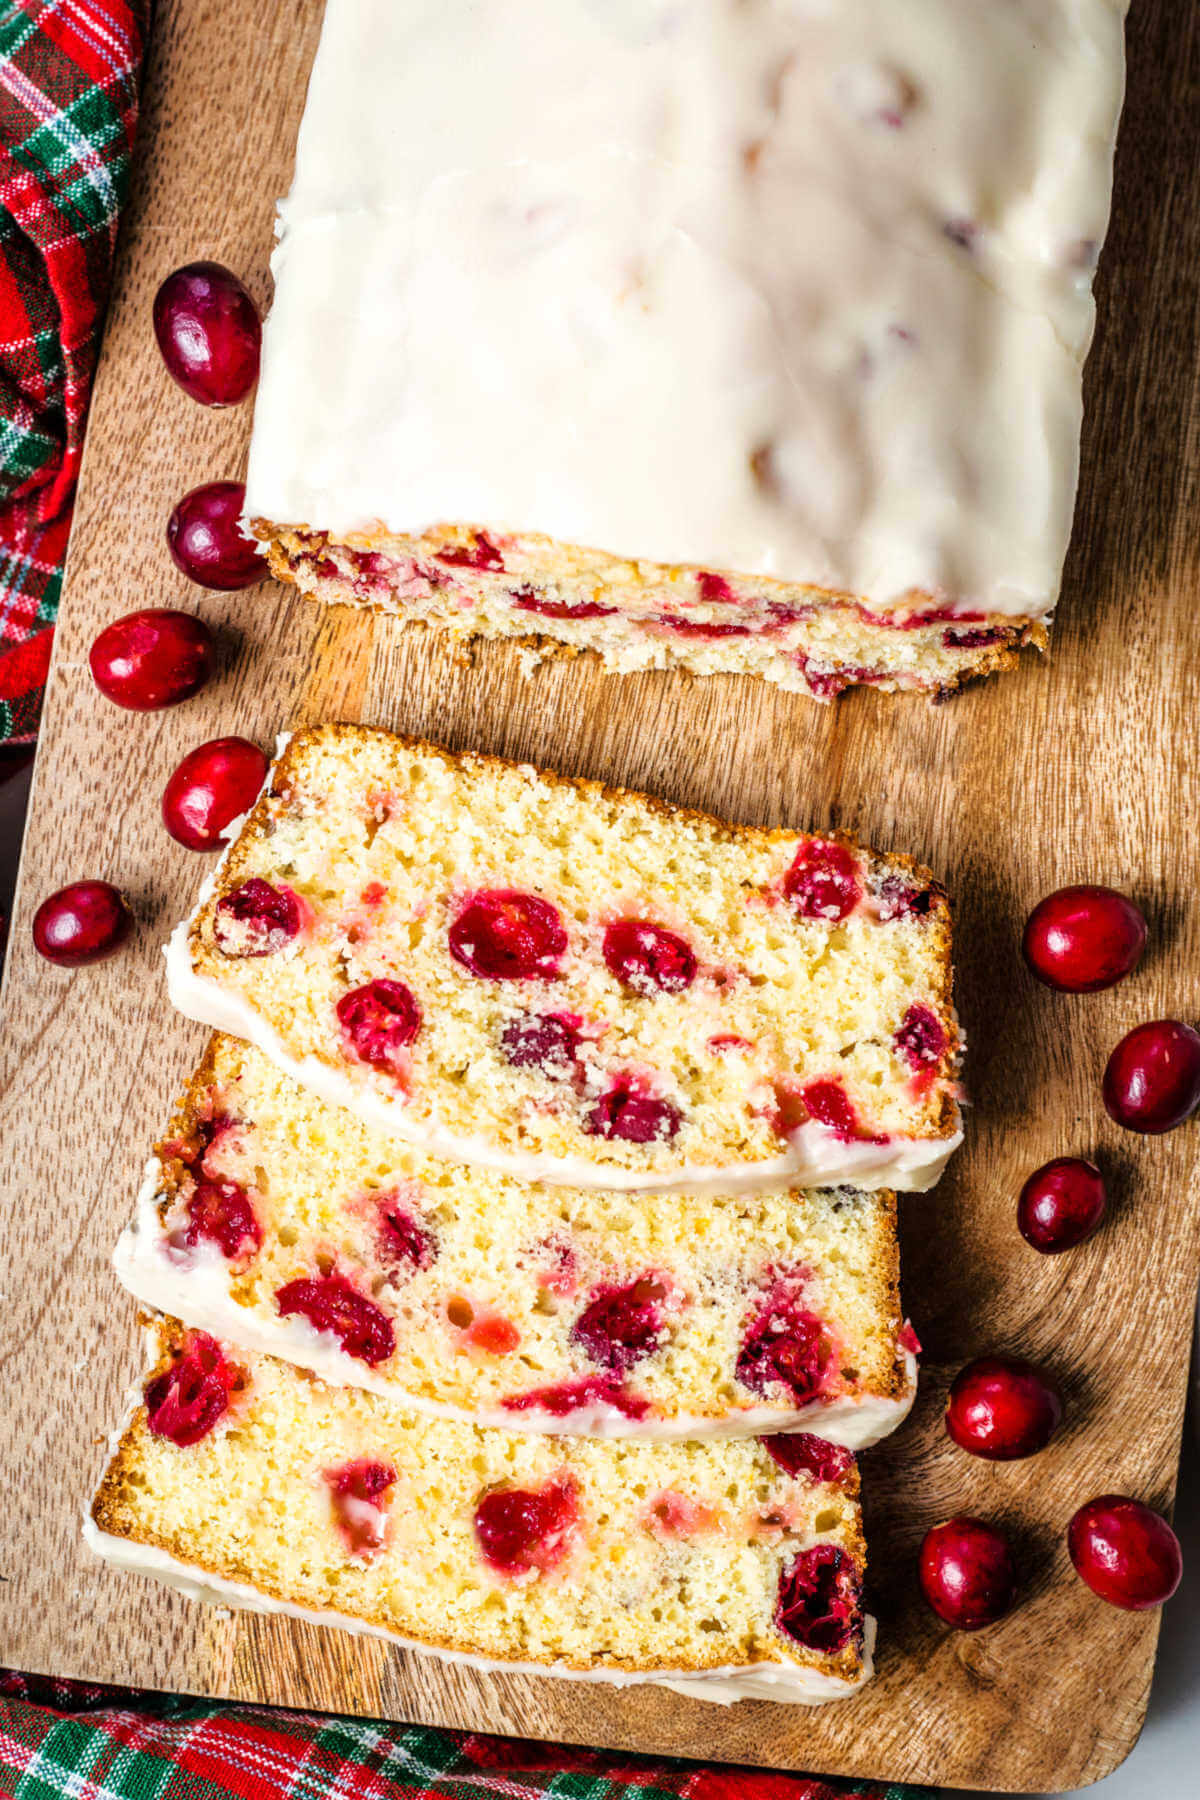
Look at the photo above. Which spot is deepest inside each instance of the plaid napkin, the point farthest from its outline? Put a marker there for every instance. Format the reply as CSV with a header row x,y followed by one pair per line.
x,y
68,108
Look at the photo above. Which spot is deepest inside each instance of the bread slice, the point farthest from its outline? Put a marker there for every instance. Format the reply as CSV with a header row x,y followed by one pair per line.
x,y
578,984
271,1219
722,1570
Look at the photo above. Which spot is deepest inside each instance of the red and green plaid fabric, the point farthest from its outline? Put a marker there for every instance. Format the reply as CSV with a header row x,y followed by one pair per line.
x,y
92,1743
68,106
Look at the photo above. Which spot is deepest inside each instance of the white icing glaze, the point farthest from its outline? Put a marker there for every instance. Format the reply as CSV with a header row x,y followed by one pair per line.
x,y
673,279
198,1293
757,1681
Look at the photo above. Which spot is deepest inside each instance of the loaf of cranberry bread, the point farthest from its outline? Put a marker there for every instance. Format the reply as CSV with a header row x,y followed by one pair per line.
x,y
734,337
725,1571
273,1220
576,984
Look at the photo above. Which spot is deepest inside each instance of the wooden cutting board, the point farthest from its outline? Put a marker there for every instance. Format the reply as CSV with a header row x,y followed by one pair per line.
x,y
1081,766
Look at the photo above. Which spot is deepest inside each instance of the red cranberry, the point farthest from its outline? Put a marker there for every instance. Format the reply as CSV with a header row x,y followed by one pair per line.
x,y
1002,1407
715,590
1061,1204
822,882
358,1492
549,1042
209,333
820,1599
827,1102
647,958
631,1116
503,935
378,1021
1126,1553
786,1345
1152,1082
562,609
330,1303
403,1237
621,1325
206,543
185,1402
967,1572
213,785
81,923
152,659
481,554
256,919
568,1397
896,898
519,1529
921,1039
701,628
801,1453
221,1212
1081,939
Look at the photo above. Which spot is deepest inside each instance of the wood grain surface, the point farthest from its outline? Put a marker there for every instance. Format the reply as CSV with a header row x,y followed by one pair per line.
x,y
1081,766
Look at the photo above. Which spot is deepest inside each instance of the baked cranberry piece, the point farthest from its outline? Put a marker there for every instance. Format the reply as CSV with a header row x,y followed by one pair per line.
x,y
256,919
221,1212
1082,939
359,1494
786,1345
921,1038
628,1114
378,1022
213,785
81,923
209,332
330,1303
545,1041
715,590
801,1453
481,553
1152,1080
206,542
503,935
827,1103
520,1529
153,658
820,1599
186,1400
823,881
967,1572
896,898
1061,1204
567,1397
1126,1553
402,1236
648,958
701,628
1003,1407
621,1325
562,609
677,1515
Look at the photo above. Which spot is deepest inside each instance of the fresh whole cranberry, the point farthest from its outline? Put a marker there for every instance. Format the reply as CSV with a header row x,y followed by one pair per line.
x,y
547,1041
1152,1081
786,1345
630,1116
967,1572
568,1397
823,881
921,1038
81,923
820,1599
186,1400
222,1212
519,1529
621,1325
330,1303
209,332
256,919
1082,939
358,1493
1002,1408
206,541
648,958
151,659
1125,1553
503,935
1061,1204
800,1453
378,1021
213,785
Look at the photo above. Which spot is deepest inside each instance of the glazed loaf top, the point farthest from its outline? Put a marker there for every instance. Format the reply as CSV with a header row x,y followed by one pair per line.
x,y
798,288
